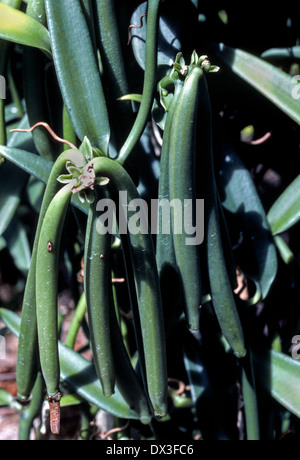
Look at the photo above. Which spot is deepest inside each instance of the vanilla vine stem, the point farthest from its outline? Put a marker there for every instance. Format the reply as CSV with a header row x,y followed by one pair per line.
x,y
149,82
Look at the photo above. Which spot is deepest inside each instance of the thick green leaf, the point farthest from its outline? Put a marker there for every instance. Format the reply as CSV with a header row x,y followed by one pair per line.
x,y
18,245
79,374
35,192
17,27
11,112
273,83
168,42
77,71
282,54
12,180
279,375
286,210
257,253
29,162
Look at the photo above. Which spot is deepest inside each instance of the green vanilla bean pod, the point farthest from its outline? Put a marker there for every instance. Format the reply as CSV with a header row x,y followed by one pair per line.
x,y
220,283
182,183
47,267
97,285
165,252
149,82
146,282
169,88
126,378
27,359
114,74
77,71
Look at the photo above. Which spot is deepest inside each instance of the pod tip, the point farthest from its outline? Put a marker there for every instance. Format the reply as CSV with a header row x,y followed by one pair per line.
x,y
145,419
23,399
54,406
241,354
108,393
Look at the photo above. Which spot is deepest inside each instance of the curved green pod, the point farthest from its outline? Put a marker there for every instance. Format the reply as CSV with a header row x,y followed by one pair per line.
x,y
165,252
77,71
79,374
149,82
220,283
182,183
97,285
127,381
27,359
114,74
126,378
47,267
147,284
35,91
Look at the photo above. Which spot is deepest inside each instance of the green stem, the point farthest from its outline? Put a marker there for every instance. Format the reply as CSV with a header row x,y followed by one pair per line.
x,y
149,82
84,425
76,322
250,399
28,415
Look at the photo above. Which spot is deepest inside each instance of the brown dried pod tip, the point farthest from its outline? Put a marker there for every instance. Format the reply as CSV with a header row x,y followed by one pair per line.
x,y
54,406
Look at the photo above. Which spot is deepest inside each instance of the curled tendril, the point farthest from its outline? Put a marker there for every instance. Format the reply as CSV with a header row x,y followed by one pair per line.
x,y
46,126
135,27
